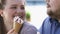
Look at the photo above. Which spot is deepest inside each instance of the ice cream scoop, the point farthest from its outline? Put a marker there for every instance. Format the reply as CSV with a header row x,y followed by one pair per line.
x,y
17,23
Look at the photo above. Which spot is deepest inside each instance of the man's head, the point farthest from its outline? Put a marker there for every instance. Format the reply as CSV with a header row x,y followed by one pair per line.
x,y
53,8
11,8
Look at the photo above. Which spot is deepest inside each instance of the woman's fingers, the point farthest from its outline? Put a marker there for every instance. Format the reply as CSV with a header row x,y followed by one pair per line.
x,y
12,32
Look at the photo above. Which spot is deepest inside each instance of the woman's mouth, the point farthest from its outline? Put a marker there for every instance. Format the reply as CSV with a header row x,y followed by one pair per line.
x,y
19,16
17,19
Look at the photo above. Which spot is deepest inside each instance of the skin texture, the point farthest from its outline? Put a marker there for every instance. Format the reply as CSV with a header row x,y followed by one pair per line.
x,y
11,9
53,8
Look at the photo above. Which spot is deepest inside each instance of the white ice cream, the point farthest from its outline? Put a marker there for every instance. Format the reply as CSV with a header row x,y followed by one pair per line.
x,y
17,19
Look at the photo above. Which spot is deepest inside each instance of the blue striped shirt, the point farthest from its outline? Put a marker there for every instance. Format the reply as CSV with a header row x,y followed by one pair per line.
x,y
50,26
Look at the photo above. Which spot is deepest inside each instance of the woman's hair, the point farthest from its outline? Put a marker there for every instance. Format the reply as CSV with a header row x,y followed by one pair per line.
x,y
1,25
2,3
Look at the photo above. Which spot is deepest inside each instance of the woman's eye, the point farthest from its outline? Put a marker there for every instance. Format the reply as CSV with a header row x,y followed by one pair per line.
x,y
13,7
22,8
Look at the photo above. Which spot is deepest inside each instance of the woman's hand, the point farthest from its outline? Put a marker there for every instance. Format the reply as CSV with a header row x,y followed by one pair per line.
x,y
12,32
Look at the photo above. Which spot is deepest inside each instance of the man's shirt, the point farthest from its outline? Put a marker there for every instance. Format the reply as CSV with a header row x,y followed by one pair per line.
x,y
50,26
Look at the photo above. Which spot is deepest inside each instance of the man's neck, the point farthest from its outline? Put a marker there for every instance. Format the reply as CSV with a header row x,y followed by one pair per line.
x,y
59,21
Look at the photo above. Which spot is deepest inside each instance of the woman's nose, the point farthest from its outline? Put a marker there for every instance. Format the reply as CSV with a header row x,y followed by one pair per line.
x,y
19,10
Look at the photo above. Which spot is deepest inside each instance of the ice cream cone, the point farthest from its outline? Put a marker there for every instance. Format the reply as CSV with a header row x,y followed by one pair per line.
x,y
17,24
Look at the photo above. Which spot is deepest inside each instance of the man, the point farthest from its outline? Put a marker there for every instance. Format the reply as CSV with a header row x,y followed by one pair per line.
x,y
51,25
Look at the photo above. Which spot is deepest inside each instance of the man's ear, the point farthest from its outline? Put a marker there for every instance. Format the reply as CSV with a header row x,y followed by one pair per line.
x,y
1,12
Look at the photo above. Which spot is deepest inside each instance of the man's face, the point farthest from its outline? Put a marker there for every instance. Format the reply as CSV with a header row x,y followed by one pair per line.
x,y
53,8
13,8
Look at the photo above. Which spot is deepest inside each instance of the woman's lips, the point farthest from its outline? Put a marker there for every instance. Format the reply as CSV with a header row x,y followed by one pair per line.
x,y
19,16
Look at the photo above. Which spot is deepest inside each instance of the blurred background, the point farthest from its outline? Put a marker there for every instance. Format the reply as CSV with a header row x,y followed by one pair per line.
x,y
35,12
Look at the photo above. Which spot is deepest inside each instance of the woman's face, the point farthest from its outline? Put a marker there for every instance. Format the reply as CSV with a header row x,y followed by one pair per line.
x,y
13,8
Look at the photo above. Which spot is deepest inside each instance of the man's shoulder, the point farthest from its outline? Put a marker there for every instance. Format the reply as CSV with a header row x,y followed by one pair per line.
x,y
47,19
47,22
45,28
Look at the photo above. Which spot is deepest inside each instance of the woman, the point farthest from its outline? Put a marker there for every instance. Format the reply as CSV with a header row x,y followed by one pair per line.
x,y
8,10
